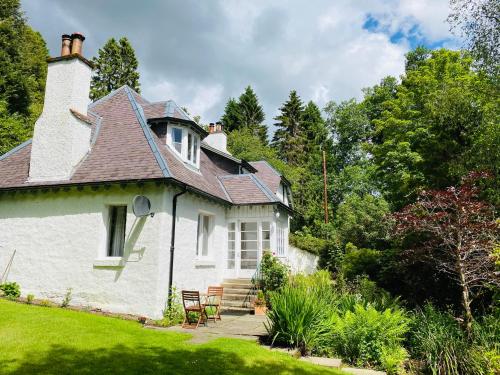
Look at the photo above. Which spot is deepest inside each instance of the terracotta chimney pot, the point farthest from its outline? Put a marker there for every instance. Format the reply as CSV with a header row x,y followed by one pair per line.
x,y
211,128
66,45
218,126
77,43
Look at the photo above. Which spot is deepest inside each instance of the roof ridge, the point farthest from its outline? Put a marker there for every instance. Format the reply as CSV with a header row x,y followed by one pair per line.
x,y
147,134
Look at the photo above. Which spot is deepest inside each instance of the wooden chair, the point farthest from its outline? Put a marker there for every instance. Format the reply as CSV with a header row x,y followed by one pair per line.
x,y
192,304
214,299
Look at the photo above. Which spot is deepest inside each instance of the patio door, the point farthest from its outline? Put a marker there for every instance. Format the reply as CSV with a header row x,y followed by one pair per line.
x,y
246,241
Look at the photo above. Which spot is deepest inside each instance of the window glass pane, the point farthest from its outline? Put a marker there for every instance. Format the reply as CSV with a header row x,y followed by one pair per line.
x,y
206,229
195,150
116,230
248,245
177,139
190,144
231,236
232,226
266,245
266,225
248,227
249,236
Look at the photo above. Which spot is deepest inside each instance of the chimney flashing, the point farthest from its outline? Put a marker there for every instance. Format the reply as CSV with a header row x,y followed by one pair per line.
x,y
71,57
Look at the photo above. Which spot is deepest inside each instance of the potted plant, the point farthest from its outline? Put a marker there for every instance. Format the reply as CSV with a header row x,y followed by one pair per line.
x,y
260,304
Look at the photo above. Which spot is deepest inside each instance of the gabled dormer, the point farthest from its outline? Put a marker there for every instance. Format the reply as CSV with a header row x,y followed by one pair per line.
x,y
177,130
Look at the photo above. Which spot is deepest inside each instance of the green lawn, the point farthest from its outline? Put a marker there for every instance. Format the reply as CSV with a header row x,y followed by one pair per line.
x,y
42,340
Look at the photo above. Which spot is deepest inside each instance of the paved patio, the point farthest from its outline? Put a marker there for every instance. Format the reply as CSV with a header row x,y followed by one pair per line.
x,y
233,325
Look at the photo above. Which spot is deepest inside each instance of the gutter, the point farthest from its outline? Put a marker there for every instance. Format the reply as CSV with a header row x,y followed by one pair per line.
x,y
172,243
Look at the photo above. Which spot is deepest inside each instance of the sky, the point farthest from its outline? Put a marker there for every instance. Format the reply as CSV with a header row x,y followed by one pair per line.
x,y
200,53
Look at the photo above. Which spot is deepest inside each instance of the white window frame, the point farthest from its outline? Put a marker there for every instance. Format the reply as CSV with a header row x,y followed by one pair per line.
x,y
109,230
172,130
199,240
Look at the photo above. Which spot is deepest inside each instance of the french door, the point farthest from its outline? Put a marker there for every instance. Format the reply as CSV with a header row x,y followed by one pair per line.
x,y
246,241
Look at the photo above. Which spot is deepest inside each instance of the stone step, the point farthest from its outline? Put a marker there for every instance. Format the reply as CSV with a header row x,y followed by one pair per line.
x,y
239,291
246,304
238,281
237,286
238,297
247,310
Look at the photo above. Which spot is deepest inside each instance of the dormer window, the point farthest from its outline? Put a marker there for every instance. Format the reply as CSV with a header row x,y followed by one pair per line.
x,y
185,143
177,139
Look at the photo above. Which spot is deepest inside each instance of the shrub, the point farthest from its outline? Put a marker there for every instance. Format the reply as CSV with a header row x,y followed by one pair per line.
x,y
67,298
11,289
29,299
360,262
365,336
444,348
45,303
299,319
273,273
174,312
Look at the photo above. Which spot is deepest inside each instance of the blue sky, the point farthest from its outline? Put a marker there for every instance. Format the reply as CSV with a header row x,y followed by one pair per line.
x,y
200,53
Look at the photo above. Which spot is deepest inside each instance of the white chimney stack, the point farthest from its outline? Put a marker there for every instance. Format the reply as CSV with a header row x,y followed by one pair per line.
x,y
61,138
216,137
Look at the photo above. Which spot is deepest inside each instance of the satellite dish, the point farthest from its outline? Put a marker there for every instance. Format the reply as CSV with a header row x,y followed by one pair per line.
x,y
141,206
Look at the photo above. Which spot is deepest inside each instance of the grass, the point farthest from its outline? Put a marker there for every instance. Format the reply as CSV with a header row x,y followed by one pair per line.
x,y
41,340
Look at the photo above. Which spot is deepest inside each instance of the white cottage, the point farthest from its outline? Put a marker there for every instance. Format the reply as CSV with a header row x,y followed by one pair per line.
x,y
66,200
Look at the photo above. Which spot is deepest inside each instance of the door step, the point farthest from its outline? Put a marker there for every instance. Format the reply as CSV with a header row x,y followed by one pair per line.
x,y
238,294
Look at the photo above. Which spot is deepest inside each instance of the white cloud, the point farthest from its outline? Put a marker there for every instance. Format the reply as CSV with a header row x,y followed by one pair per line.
x,y
202,53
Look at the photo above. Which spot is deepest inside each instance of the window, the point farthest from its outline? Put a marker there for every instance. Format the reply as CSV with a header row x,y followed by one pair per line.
x,y
116,230
266,235
190,146
195,150
249,245
204,234
280,239
231,245
177,139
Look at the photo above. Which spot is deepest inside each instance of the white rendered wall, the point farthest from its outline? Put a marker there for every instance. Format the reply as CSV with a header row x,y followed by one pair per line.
x,y
60,140
301,261
58,238
217,140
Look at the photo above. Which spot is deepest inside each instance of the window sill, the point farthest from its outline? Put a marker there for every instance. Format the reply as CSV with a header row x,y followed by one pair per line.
x,y
204,264
109,262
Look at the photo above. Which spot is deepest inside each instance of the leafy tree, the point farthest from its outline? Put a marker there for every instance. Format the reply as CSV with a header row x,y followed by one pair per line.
x,y
316,137
478,21
246,112
115,66
23,70
361,220
350,127
288,138
457,233
424,133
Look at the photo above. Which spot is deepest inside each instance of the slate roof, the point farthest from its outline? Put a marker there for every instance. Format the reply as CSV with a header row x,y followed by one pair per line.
x,y
270,176
124,148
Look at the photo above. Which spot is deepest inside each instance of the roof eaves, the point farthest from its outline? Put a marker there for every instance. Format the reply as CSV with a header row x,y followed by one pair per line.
x,y
147,133
15,149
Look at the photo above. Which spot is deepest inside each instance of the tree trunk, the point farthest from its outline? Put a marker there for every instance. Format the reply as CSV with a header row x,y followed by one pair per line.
x,y
466,301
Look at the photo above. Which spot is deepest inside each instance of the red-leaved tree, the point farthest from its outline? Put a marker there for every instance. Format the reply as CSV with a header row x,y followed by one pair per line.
x,y
457,232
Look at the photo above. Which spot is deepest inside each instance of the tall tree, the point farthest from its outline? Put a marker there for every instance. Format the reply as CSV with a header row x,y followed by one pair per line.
x,y
23,70
424,134
478,21
315,135
115,66
245,113
288,138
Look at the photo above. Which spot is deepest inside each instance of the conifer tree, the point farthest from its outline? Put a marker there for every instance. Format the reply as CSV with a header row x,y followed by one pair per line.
x,y
115,66
245,113
288,138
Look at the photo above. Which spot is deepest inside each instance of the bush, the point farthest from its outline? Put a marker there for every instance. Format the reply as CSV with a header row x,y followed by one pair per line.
x,y
273,273
174,312
366,336
438,341
29,299
299,319
67,298
360,262
11,290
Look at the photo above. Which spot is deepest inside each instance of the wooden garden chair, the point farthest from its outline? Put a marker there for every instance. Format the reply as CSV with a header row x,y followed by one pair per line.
x,y
214,300
192,305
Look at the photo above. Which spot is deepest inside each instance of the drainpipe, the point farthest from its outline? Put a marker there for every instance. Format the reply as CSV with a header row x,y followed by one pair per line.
x,y
172,243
